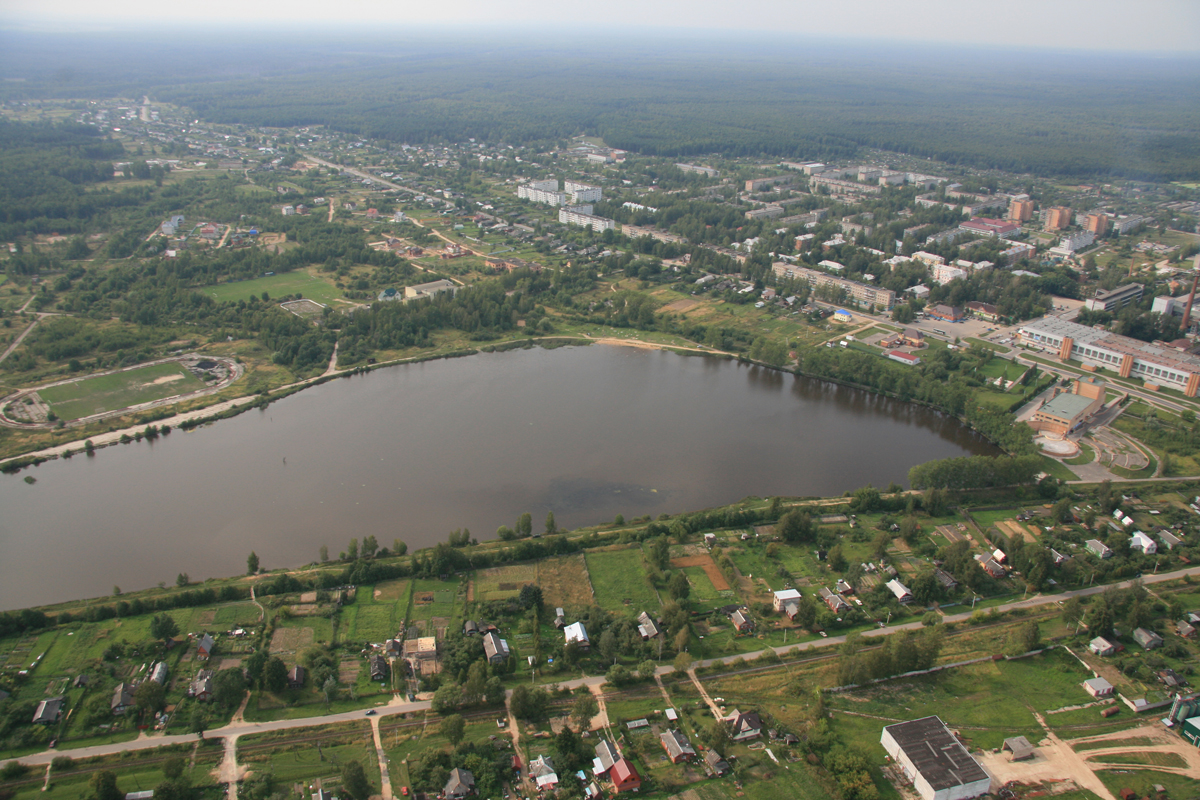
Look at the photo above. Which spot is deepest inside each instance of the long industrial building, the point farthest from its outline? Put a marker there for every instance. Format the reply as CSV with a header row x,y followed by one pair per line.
x,y
939,765
1129,358
860,293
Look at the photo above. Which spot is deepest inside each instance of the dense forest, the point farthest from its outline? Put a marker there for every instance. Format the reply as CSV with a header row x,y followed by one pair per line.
x,y
1078,116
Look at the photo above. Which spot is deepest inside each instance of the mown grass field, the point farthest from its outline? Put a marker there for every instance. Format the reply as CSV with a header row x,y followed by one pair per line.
x,y
501,583
119,390
565,581
285,283
619,580
965,699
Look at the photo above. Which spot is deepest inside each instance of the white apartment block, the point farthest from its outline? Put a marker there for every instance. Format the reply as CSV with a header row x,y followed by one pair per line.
x,y
582,192
944,273
582,215
538,193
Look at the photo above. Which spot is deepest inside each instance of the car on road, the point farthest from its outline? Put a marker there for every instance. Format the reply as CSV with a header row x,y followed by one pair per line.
x,y
370,712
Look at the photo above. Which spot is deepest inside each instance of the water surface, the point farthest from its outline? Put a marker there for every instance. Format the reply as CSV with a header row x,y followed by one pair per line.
x,y
413,452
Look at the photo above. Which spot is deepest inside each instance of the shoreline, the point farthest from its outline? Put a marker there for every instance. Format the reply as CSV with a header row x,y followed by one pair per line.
x,y
237,405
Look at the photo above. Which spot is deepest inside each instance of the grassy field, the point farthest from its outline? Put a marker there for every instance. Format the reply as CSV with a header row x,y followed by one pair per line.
x,y
501,583
139,772
119,390
963,698
619,580
297,282
294,755
435,604
1142,781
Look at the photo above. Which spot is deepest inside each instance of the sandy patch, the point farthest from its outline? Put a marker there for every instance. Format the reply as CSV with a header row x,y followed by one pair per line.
x,y
681,306
166,379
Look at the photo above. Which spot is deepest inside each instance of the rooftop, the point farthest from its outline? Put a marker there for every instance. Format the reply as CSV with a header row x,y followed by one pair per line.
x,y
1067,405
936,753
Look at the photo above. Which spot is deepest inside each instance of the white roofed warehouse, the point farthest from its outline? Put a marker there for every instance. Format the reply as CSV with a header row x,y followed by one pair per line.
x,y
939,765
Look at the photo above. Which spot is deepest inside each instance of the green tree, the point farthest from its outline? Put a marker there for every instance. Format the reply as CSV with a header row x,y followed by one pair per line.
x,y
163,627
172,767
182,579
583,709
525,525
551,525
103,786
354,781
454,727
796,526
647,668
150,697
678,586
252,563
399,548
682,662
352,550
609,646
229,686
369,547
324,552
275,674
447,698
837,560
198,721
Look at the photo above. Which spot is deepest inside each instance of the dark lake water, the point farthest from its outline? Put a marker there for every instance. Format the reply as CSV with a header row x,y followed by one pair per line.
x,y
413,452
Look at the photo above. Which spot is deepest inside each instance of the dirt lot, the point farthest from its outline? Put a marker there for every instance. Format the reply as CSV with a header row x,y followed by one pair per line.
x,y
680,306
1013,529
705,562
565,582
291,640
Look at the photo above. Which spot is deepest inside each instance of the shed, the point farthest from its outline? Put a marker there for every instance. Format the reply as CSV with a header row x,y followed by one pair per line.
x,y
1020,748
1098,687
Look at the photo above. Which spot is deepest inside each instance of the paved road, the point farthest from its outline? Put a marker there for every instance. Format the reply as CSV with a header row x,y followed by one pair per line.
x,y
398,706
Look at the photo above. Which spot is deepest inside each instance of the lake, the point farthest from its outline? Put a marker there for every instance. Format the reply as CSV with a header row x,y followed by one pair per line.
x,y
413,452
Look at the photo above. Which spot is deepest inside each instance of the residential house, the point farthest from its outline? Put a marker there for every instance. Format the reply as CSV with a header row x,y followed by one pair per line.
x,y
1169,540
541,769
1149,640
741,621
470,628
945,579
1098,548
843,587
990,565
380,670
646,626
1170,678
204,649
48,711
1098,687
837,604
461,783
495,648
1058,557
122,699
296,676
713,761
607,755
575,632
902,592
624,777
782,598
201,687
744,726
1101,646
1142,543
677,746
392,648
1185,629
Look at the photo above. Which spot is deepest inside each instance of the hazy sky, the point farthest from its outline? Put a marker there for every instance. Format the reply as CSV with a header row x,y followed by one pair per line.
x,y
1143,25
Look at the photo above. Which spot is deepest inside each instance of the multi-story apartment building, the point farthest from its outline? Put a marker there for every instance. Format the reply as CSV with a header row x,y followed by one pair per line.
x,y
859,293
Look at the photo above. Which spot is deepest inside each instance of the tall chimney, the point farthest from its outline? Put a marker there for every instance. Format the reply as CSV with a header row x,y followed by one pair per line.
x,y
1187,311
